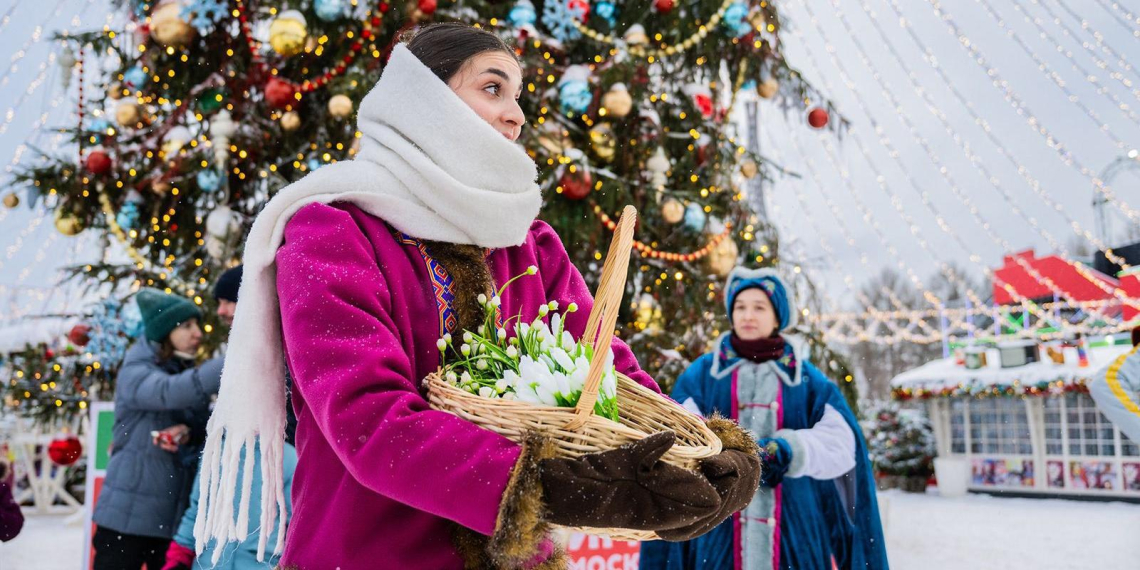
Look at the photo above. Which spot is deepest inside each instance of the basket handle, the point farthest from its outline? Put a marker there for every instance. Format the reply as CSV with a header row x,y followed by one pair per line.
x,y
603,318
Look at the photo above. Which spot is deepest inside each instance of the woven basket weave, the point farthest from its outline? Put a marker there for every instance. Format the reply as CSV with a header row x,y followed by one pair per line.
x,y
577,431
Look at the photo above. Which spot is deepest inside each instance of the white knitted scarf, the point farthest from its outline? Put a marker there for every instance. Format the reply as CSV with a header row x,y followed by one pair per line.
x,y
429,166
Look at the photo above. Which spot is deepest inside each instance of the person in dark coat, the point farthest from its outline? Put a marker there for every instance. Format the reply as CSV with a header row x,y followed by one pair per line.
x,y
11,518
162,401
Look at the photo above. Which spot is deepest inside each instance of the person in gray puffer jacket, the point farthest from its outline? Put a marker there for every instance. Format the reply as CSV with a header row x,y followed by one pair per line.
x,y
161,407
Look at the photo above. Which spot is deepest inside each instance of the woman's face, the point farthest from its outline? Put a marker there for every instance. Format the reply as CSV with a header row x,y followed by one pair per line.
x,y
491,84
752,315
186,337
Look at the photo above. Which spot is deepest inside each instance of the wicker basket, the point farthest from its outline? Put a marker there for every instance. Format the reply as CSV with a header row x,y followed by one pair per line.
x,y
577,431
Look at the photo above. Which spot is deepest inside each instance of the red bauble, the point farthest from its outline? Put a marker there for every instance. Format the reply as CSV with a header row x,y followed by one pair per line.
x,y
427,6
98,162
79,335
576,185
818,118
65,450
704,102
663,6
580,6
280,93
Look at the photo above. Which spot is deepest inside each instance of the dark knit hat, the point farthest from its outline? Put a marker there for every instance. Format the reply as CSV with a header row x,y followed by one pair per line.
x,y
228,284
162,312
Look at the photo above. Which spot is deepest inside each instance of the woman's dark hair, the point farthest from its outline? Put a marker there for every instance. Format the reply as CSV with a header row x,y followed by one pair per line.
x,y
444,48
165,350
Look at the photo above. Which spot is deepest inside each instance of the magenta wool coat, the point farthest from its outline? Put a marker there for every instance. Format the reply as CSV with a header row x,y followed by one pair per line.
x,y
380,476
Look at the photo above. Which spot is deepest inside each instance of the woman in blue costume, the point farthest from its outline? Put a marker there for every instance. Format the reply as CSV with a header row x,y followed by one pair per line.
x,y
816,506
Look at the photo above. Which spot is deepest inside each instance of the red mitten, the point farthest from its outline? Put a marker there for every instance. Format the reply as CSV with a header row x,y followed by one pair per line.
x,y
178,557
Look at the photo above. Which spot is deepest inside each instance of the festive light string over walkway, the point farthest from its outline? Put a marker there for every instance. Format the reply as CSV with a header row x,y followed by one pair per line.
x,y
1115,8
934,157
1099,39
1036,125
1022,169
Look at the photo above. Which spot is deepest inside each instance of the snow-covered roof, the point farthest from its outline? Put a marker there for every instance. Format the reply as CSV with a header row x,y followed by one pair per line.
x,y
944,377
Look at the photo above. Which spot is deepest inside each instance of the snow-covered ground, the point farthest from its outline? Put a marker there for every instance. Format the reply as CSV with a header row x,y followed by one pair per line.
x,y
924,532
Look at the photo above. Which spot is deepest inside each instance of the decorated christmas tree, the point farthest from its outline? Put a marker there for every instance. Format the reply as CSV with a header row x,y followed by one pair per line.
x,y
899,441
189,119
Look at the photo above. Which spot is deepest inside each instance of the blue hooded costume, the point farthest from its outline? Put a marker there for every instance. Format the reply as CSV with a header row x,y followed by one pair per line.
x,y
804,522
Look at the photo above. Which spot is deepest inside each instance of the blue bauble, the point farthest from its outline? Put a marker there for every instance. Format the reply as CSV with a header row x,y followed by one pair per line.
x,y
522,14
209,180
128,216
332,10
695,217
607,11
134,78
736,19
575,96
314,164
98,129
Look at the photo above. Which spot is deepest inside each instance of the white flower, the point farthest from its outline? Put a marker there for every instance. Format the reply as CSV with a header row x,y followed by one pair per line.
x,y
467,337
447,337
466,378
568,343
481,365
496,301
508,396
501,386
482,299
512,352
522,329
441,345
543,311
452,377
465,350
572,308
502,333
553,305
486,392
532,270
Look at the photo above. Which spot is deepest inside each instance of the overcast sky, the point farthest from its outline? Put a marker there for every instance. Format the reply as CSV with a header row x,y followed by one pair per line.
x,y
883,166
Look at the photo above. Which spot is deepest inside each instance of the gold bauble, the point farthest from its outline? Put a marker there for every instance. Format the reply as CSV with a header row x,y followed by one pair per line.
x,y
723,257
768,88
340,106
160,187
672,211
11,200
288,32
167,28
115,91
290,121
602,141
127,114
636,35
617,101
67,225
749,169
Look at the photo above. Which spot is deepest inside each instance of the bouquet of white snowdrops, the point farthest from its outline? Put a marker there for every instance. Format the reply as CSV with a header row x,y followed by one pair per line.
x,y
540,363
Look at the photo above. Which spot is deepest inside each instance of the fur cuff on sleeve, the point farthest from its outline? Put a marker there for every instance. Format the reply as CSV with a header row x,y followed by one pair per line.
x,y
732,436
521,535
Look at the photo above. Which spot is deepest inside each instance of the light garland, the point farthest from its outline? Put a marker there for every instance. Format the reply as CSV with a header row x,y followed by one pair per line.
x,y
1099,39
979,391
653,253
641,51
1067,158
1023,171
370,21
1134,28
946,173
140,260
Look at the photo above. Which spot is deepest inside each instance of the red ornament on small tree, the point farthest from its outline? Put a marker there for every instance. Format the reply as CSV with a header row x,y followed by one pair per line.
x,y
280,93
65,450
79,335
663,6
98,162
576,185
427,6
818,118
